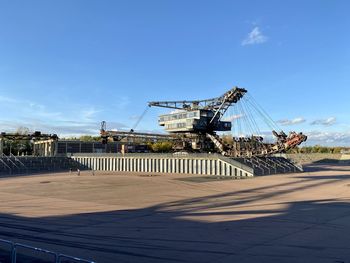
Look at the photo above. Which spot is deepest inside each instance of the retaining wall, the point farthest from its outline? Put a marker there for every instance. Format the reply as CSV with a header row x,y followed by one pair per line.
x,y
144,163
305,158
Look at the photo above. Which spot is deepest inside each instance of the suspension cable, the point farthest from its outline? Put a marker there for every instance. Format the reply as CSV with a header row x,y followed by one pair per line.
x,y
139,119
249,118
262,115
252,119
273,123
244,119
239,127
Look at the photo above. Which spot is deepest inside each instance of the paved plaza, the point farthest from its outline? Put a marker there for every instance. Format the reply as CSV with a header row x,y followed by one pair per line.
x,y
111,217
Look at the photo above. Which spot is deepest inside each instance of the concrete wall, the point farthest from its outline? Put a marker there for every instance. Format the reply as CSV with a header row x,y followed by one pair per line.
x,y
61,148
305,158
217,166
345,159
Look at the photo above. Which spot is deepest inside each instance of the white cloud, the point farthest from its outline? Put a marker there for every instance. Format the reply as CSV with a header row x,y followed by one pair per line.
x,y
294,121
328,138
75,121
233,117
61,128
4,99
135,117
89,114
254,37
26,108
325,122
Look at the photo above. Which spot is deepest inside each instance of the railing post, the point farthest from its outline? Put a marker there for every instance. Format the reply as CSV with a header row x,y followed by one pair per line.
x,y
5,164
14,254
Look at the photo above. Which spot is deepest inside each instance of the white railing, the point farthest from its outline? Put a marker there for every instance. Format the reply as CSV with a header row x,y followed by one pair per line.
x,y
19,161
56,257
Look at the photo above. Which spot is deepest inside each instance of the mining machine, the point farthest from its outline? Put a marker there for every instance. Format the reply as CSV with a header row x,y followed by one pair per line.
x,y
131,136
35,136
196,123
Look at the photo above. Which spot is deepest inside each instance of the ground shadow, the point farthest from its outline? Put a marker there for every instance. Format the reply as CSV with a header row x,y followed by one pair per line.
x,y
316,167
225,227
326,161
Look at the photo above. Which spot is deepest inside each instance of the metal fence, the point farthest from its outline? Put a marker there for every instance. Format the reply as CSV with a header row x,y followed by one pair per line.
x,y
14,248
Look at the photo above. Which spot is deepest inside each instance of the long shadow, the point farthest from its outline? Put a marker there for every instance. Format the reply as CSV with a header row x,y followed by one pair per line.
x,y
244,197
316,231
327,161
225,227
325,167
228,227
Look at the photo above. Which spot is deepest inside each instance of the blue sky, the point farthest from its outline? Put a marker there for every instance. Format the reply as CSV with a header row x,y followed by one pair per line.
x,y
67,65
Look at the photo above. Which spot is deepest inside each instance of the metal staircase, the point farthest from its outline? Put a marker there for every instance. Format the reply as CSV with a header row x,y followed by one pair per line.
x,y
10,165
270,165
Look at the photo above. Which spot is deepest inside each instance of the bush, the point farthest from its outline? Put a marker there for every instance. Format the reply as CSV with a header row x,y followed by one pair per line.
x,y
161,146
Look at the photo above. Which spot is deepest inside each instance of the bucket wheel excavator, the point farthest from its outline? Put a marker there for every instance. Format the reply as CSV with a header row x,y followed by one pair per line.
x,y
195,124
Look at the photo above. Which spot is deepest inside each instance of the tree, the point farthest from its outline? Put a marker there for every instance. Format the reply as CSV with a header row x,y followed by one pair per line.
x,y
161,146
89,138
227,139
22,130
